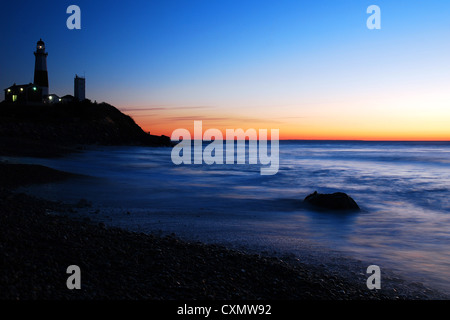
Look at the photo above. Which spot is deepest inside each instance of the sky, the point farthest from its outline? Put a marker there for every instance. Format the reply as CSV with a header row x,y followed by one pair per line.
x,y
311,69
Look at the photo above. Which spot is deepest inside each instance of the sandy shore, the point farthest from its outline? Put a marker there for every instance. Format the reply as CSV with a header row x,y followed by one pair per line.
x,y
38,246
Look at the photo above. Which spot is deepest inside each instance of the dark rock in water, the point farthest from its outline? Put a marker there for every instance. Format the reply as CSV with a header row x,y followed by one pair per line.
x,y
83,203
334,201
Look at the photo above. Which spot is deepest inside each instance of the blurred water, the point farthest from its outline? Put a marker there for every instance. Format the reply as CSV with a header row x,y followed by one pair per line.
x,y
403,189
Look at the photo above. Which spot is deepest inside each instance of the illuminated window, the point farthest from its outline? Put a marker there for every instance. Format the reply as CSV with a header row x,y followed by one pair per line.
x,y
14,97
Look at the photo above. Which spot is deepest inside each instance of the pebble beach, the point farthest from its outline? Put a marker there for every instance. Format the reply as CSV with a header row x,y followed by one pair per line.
x,y
38,245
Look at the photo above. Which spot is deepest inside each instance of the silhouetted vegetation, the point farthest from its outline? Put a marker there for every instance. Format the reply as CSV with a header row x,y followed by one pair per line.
x,y
61,126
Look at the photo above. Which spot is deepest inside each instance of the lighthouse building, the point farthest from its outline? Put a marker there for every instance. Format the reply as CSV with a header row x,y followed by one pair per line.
x,y
32,92
37,92
23,93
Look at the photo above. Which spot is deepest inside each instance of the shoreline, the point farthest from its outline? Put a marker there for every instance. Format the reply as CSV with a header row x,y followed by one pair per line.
x,y
119,264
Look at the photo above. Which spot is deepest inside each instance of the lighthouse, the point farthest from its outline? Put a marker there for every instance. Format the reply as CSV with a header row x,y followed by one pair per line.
x,y
40,68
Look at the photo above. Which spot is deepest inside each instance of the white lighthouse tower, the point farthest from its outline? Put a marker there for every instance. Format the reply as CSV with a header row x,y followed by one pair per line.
x,y
40,68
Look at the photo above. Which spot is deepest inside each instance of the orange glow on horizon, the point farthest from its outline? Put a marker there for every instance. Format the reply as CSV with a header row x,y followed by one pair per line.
x,y
417,118
293,132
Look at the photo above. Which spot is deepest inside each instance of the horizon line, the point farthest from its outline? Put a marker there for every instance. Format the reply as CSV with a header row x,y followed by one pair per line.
x,y
325,140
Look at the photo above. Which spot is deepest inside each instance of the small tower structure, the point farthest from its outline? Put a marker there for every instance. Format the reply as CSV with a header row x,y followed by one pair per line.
x,y
79,88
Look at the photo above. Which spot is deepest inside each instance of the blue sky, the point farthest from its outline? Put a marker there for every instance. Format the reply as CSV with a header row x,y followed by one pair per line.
x,y
236,57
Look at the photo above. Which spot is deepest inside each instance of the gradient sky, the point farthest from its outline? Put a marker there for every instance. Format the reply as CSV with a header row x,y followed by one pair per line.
x,y
309,68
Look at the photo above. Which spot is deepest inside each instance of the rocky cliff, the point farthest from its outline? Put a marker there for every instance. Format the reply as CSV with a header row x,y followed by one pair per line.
x,y
60,126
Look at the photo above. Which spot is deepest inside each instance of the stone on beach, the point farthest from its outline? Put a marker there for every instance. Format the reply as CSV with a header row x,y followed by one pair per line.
x,y
335,201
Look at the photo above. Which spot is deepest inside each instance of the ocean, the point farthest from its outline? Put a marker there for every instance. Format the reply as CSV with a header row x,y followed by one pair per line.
x,y
403,189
